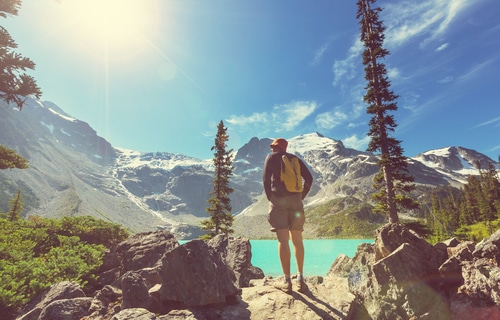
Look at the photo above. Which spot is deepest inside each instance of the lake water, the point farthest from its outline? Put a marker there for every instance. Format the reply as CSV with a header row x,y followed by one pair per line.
x,y
319,255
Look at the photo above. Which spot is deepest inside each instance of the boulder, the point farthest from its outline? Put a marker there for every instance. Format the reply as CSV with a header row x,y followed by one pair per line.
x,y
193,275
482,281
396,276
105,303
135,293
61,290
464,308
489,248
390,236
237,254
66,309
135,313
451,269
143,250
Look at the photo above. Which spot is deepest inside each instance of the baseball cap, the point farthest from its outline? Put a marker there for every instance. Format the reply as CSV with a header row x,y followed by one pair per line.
x,y
280,143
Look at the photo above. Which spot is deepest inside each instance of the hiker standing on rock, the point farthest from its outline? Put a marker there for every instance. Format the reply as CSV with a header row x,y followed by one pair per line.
x,y
282,178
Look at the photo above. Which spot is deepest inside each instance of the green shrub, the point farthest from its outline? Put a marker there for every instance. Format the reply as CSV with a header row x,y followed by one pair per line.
x,y
38,252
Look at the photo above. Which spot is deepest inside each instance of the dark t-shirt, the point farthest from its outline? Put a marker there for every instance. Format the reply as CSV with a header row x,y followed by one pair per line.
x,y
271,176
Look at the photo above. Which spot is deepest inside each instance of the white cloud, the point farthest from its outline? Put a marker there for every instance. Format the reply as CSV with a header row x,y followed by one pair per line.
x,y
406,20
285,117
356,143
492,121
344,70
447,79
393,73
318,55
293,113
442,47
474,71
255,118
329,120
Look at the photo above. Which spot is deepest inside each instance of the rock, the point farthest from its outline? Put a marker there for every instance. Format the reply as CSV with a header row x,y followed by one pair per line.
x,y
359,273
136,314
66,309
134,291
407,285
105,303
61,290
482,281
389,237
399,276
489,248
340,266
143,250
451,269
237,254
325,300
464,308
195,276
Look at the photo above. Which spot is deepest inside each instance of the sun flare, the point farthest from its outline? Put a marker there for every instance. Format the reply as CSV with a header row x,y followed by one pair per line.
x,y
116,25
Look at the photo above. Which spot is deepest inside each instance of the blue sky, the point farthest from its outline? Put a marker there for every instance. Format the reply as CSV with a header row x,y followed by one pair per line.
x,y
158,75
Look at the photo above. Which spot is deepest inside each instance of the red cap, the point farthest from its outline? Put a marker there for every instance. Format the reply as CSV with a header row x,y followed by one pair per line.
x,y
280,143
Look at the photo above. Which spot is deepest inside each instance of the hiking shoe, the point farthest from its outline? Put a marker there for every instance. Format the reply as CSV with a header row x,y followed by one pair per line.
x,y
285,286
302,286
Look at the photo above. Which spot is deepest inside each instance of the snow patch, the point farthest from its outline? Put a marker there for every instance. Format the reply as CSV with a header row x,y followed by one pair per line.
x,y
158,160
62,116
48,126
64,132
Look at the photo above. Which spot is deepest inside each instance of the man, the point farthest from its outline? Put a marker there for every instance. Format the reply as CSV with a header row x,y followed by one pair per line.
x,y
286,212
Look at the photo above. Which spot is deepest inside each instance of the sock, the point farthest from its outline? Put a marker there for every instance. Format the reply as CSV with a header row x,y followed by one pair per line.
x,y
300,276
287,278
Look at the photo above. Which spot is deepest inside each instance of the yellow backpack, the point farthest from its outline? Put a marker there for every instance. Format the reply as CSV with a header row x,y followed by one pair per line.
x,y
290,173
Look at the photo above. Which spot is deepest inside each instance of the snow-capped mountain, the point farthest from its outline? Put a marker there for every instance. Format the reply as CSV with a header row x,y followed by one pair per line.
x,y
73,171
454,162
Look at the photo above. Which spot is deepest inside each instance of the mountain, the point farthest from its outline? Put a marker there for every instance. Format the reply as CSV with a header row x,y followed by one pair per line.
x,y
73,171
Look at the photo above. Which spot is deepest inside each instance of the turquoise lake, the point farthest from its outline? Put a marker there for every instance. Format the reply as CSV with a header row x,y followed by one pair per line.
x,y
319,255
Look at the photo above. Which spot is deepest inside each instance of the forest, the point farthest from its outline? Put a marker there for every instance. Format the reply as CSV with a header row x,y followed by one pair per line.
x,y
469,213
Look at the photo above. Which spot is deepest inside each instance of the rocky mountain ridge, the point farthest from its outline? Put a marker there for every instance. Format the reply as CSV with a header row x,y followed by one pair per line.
x,y
73,171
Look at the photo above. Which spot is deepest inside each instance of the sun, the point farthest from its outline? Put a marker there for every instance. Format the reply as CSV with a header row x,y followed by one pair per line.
x,y
117,26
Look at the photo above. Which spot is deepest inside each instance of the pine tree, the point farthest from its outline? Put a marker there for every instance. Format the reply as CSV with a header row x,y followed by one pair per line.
x,y
221,219
15,207
393,184
15,86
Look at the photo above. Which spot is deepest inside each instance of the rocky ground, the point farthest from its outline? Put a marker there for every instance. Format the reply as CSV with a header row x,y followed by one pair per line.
x,y
399,276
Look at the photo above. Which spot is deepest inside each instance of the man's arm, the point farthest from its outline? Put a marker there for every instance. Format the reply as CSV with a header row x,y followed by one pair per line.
x,y
308,179
266,178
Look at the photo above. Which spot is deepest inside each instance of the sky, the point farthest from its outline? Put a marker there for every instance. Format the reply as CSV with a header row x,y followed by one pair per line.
x,y
159,75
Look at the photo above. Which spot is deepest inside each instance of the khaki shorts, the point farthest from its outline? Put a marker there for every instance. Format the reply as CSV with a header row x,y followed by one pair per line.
x,y
286,212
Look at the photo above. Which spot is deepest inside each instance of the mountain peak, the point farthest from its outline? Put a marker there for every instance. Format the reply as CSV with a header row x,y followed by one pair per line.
x,y
454,158
315,140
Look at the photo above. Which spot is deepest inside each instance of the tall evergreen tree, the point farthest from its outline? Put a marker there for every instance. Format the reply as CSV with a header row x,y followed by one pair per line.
x,y
15,85
221,218
15,207
393,184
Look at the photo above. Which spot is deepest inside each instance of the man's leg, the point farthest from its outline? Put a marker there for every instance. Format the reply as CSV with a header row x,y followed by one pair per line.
x,y
298,248
284,254
284,250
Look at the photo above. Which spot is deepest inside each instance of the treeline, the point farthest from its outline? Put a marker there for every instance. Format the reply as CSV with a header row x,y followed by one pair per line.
x,y
38,252
469,213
